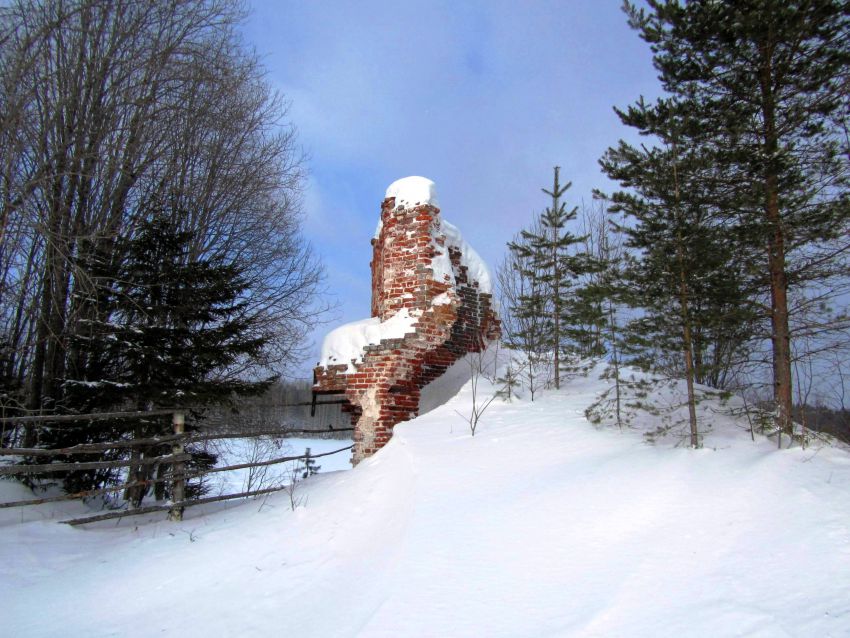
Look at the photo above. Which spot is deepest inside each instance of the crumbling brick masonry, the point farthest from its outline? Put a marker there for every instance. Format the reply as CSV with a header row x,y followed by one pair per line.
x,y
429,310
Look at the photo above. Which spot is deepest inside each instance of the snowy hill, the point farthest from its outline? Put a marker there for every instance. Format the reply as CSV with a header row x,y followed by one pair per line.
x,y
540,525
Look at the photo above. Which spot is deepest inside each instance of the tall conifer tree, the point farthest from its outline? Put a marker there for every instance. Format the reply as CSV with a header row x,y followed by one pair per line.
x,y
682,272
765,77
170,332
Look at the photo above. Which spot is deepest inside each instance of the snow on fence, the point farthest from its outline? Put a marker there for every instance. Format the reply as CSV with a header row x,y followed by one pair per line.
x,y
177,458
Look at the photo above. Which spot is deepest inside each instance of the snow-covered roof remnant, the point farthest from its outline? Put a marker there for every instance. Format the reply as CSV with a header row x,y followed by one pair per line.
x,y
347,343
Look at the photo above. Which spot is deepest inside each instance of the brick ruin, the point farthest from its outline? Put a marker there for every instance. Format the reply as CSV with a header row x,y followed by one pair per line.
x,y
431,305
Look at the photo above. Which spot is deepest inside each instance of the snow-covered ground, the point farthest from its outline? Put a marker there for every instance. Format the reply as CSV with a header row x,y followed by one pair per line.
x,y
540,525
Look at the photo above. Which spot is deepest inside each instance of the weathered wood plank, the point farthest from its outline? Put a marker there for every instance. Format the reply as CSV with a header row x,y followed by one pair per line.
x,y
170,506
88,448
65,418
148,482
282,459
13,470
91,448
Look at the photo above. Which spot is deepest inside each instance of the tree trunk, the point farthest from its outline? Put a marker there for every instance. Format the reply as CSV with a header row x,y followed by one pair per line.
x,y
780,331
779,324
615,360
684,301
557,336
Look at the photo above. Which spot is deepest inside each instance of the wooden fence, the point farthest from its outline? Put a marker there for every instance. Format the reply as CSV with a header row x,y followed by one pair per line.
x,y
178,440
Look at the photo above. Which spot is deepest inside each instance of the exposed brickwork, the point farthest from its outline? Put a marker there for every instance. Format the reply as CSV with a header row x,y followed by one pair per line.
x,y
384,388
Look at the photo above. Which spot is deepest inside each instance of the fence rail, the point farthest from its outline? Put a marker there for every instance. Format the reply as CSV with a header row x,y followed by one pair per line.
x,y
41,468
96,416
167,508
175,459
94,448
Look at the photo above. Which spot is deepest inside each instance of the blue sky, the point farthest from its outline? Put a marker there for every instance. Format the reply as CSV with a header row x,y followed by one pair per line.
x,y
484,98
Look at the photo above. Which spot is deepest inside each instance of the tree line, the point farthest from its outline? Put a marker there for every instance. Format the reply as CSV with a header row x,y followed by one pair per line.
x,y
724,256
150,244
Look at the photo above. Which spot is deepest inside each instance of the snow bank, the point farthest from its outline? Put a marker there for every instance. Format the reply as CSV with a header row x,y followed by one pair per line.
x,y
540,525
348,342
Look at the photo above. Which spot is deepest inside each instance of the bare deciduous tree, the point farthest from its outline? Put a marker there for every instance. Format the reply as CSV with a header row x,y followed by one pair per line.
x,y
115,111
524,332
478,371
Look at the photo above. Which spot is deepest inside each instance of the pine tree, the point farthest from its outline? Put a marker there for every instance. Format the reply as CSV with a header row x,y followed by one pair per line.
x,y
509,381
680,252
765,78
309,465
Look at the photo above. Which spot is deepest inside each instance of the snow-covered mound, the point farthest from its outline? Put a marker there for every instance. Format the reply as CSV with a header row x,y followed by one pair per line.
x,y
408,192
540,525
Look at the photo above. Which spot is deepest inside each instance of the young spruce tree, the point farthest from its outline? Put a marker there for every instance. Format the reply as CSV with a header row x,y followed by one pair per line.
x,y
551,258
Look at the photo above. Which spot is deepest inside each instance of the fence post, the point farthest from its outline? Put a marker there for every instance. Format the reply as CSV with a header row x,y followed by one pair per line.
x,y
178,484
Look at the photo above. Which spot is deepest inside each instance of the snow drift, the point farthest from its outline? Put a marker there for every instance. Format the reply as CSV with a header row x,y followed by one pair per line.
x,y
540,525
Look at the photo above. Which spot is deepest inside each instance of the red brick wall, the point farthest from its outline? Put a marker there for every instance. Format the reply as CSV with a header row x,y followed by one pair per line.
x,y
385,387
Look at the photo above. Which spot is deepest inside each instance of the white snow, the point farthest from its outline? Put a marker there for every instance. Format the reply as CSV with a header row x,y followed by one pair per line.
x,y
477,269
413,191
347,342
447,385
443,299
540,525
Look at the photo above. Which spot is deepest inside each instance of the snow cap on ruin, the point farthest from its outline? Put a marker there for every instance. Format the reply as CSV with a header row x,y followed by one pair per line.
x,y
413,191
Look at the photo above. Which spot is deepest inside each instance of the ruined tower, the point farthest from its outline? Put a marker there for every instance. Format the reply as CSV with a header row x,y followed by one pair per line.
x,y
431,304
